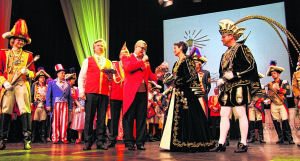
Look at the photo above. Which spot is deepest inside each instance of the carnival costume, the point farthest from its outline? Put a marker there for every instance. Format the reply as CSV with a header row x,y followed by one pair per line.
x,y
256,115
116,102
239,82
16,89
137,74
60,100
93,82
78,115
39,115
186,128
279,105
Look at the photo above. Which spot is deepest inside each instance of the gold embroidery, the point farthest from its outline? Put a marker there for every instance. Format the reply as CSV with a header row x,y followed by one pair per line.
x,y
228,56
239,95
179,143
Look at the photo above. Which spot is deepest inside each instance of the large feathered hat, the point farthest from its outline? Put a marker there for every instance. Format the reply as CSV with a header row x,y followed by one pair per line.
x,y
19,30
273,67
227,26
196,55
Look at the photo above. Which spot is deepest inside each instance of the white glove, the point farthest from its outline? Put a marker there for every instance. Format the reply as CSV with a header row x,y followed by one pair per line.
x,y
228,75
220,82
267,101
7,85
77,110
24,71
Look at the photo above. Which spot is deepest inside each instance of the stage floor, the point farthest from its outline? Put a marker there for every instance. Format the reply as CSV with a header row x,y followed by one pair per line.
x,y
72,152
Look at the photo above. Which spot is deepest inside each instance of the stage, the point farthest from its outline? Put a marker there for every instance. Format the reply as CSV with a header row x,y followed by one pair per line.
x,y
73,152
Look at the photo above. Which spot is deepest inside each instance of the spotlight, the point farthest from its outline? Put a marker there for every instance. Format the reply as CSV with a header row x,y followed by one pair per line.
x,y
165,3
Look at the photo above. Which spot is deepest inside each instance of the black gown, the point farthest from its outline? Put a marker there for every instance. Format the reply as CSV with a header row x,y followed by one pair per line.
x,y
186,128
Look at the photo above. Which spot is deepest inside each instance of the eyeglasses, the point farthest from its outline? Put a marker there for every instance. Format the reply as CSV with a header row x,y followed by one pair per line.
x,y
142,47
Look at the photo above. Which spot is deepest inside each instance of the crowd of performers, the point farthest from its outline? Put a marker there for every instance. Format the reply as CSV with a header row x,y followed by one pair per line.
x,y
121,100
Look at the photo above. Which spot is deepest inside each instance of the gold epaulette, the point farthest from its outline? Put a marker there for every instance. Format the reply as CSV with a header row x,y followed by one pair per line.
x,y
27,51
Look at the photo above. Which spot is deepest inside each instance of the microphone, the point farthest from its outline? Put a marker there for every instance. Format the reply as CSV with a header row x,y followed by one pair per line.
x,y
145,58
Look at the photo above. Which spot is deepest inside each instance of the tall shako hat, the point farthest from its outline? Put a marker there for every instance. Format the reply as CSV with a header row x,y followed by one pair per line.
x,y
19,30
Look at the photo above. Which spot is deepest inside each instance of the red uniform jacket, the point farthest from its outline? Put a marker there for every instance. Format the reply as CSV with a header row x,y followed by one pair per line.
x,y
133,78
213,102
116,91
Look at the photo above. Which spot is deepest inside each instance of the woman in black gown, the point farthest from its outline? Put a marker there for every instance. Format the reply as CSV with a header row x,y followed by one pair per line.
x,y
185,129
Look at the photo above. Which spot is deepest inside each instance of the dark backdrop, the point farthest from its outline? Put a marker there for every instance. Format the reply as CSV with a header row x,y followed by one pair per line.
x,y
130,21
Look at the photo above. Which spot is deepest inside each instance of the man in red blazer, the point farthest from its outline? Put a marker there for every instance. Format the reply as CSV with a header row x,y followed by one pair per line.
x,y
137,73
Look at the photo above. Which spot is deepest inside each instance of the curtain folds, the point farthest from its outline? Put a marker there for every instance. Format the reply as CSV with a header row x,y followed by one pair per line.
x,y
5,14
87,21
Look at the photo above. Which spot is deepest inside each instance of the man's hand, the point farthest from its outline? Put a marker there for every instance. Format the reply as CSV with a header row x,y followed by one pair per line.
x,y
7,85
24,71
267,101
48,108
145,58
82,96
228,75
160,75
276,86
220,82
82,108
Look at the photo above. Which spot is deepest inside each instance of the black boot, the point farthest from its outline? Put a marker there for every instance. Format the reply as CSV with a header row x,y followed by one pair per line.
x,y
34,130
260,131
252,138
43,131
219,148
4,128
151,137
241,148
26,126
287,131
279,132
157,135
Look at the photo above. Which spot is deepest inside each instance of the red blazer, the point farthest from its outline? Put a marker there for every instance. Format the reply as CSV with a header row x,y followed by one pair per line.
x,y
134,78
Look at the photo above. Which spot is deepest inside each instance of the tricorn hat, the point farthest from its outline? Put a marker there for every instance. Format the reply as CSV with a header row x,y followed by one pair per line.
x,y
273,67
41,72
71,74
196,55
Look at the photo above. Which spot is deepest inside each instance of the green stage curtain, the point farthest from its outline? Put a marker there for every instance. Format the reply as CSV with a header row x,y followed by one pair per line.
x,y
87,21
